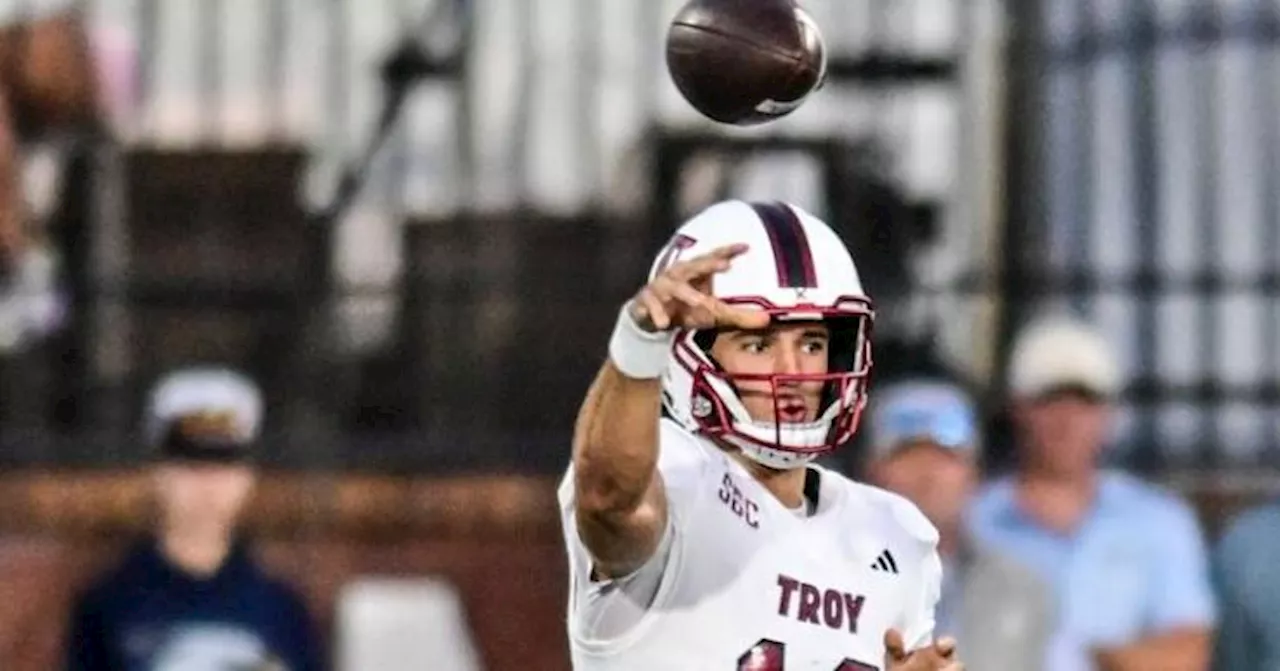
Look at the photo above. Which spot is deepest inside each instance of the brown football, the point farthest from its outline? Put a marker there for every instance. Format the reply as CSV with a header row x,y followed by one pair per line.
x,y
745,62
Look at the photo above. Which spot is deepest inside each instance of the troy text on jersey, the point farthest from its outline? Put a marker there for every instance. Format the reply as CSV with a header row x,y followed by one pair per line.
x,y
815,605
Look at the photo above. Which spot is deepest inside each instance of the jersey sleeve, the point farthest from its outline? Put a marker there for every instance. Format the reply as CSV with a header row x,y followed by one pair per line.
x,y
918,618
606,608
921,621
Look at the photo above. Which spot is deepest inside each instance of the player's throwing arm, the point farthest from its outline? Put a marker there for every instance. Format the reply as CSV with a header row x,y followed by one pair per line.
x,y
620,506
701,535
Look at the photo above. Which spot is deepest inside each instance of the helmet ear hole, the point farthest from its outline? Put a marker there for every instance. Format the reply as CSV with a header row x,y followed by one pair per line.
x,y
704,340
845,352
846,341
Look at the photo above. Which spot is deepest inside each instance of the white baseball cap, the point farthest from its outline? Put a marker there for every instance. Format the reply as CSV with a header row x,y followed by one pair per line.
x,y
204,409
1062,353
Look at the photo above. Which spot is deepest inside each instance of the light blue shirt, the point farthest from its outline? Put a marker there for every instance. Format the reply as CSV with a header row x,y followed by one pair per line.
x,y
1135,566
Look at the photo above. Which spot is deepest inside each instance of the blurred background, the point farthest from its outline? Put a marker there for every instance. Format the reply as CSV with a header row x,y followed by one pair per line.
x,y
412,222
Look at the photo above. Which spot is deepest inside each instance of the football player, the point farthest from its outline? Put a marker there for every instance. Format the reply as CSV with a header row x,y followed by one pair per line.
x,y
700,534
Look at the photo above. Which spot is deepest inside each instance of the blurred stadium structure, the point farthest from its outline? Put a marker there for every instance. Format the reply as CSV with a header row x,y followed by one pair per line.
x,y
1109,156
516,200
1147,196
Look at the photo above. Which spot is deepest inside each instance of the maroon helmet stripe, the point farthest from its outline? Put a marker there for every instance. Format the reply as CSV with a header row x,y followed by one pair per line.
x,y
790,245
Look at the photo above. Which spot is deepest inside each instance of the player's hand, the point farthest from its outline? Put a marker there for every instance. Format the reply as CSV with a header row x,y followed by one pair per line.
x,y
680,297
938,657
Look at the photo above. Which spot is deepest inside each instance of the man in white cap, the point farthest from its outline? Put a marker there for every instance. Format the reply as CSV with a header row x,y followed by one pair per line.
x,y
191,597
1126,560
924,445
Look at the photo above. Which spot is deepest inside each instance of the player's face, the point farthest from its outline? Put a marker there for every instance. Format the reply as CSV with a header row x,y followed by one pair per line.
x,y
199,494
781,349
939,480
1063,433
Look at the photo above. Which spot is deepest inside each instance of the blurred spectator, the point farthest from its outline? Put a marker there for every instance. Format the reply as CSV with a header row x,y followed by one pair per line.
x,y
1248,580
48,83
1126,560
924,446
191,598
30,304
52,80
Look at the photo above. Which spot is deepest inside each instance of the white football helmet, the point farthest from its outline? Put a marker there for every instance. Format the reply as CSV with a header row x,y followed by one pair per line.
x,y
797,269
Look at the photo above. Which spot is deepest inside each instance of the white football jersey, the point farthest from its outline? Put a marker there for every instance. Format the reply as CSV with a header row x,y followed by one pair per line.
x,y
741,583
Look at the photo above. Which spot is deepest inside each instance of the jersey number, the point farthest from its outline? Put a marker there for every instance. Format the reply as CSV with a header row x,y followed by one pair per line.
x,y
767,655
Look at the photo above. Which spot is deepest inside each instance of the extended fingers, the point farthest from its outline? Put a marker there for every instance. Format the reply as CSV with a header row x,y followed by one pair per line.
x,y
691,297
728,252
668,302
894,646
729,316
716,261
681,296
650,312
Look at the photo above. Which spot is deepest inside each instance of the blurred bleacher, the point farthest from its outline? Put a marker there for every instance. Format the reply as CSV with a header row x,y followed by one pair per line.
x,y
447,319
518,195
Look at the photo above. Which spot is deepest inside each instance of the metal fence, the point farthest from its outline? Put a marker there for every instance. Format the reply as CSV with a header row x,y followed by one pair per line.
x,y
453,315
1146,190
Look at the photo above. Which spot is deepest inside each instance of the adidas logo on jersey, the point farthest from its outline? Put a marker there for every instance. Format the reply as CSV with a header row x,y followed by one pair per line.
x,y
885,563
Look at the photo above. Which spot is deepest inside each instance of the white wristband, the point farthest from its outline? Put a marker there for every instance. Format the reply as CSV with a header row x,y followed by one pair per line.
x,y
637,353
